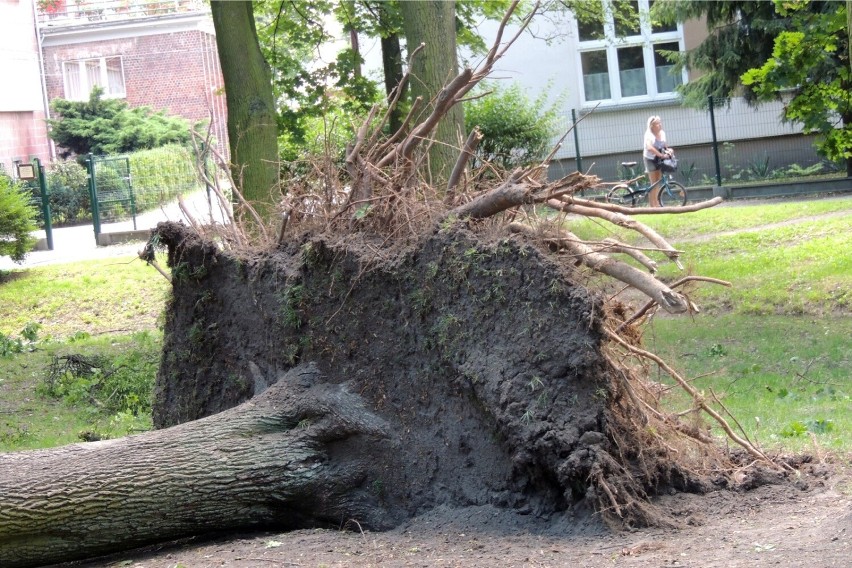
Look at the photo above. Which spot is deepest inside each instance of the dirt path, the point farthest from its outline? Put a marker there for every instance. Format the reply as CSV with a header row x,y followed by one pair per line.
x,y
708,237
803,524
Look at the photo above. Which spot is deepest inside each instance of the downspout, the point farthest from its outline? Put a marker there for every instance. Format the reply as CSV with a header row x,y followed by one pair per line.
x,y
51,145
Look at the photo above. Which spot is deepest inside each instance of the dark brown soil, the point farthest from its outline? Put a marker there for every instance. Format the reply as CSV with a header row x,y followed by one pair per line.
x,y
808,524
486,358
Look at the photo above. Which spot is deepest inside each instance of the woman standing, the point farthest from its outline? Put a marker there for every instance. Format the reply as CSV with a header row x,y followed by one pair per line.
x,y
655,146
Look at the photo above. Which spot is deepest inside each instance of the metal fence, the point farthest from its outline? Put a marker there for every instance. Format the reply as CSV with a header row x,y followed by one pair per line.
x,y
747,143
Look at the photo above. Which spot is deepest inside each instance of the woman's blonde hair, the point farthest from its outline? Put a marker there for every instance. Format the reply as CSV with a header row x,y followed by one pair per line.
x,y
652,119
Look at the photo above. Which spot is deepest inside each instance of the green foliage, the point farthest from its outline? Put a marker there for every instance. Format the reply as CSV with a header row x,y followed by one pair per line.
x,y
161,174
17,220
794,51
516,130
810,62
740,33
110,385
109,126
10,346
70,201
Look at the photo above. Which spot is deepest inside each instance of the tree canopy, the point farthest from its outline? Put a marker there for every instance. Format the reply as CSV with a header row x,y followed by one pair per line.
x,y
810,64
796,51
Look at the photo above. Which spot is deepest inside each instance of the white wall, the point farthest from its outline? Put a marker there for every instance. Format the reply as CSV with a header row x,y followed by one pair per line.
x,y
19,67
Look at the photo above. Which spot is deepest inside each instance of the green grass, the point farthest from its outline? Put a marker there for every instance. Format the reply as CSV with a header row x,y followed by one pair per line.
x,y
791,264
728,217
117,295
786,379
33,417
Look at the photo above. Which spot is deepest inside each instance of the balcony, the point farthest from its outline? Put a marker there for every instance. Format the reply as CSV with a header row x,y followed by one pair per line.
x,y
60,13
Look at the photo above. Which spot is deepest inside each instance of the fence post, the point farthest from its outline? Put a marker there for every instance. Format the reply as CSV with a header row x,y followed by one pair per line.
x,y
45,201
715,142
577,157
93,195
132,193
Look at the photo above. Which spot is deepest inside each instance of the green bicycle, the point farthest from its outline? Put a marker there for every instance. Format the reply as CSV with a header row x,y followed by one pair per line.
x,y
631,192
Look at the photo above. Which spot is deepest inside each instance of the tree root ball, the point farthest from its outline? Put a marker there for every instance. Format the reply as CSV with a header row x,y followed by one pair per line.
x,y
486,359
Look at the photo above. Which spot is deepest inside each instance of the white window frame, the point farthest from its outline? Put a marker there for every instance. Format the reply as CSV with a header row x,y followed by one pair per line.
x,y
610,44
84,90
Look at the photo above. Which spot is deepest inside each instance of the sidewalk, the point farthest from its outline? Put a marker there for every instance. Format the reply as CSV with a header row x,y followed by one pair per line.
x,y
73,244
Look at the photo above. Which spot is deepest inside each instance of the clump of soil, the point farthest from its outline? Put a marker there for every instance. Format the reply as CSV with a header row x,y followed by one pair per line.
x,y
486,356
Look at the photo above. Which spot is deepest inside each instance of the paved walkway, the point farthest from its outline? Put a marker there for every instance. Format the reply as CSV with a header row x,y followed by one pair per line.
x,y
73,244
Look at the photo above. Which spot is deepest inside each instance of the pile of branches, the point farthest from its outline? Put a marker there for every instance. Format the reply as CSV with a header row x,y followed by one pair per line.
x,y
381,193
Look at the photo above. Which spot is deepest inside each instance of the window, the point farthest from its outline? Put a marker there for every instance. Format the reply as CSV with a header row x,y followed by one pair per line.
x,y
83,75
624,58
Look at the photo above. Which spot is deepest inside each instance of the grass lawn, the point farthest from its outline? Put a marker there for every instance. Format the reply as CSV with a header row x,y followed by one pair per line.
x,y
785,378
32,417
115,295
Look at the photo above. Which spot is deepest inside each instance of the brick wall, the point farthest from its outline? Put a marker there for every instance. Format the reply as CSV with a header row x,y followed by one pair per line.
x,y
22,136
178,72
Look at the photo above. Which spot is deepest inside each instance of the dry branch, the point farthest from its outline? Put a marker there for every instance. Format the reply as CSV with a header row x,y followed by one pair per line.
x,y
660,293
466,154
621,220
697,397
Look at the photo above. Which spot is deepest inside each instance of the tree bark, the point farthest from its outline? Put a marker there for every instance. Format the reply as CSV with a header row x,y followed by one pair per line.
x,y
433,23
252,118
392,65
263,462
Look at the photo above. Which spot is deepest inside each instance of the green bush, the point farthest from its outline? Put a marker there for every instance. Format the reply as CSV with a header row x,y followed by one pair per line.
x,y
109,126
516,130
160,174
68,184
111,384
17,220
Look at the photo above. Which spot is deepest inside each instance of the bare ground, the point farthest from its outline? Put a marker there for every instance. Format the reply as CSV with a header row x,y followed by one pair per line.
x,y
803,524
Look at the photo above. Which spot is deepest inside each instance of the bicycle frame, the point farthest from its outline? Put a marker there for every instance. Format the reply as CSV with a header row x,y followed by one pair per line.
x,y
630,192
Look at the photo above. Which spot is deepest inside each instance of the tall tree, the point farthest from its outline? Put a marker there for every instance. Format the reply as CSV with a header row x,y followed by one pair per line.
x,y
810,65
252,117
433,24
795,50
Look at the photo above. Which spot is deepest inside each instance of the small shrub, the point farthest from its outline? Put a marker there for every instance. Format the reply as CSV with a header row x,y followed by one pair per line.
x,y
516,130
17,220
109,126
68,184
161,174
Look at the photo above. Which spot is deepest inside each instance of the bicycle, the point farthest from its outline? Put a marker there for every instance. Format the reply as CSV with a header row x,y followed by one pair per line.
x,y
630,192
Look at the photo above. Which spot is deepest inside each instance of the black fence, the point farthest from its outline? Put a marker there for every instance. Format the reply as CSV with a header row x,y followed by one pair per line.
x,y
726,144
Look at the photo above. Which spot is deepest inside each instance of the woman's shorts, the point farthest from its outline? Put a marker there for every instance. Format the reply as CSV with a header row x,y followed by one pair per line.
x,y
650,166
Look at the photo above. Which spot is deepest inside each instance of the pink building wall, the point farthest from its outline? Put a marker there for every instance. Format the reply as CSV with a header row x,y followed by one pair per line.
x,y
23,132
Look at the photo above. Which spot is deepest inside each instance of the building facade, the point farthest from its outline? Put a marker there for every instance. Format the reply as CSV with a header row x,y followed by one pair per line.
x,y
607,79
157,54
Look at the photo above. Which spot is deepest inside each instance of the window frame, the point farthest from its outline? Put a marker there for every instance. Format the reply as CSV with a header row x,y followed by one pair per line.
x,y
647,39
83,75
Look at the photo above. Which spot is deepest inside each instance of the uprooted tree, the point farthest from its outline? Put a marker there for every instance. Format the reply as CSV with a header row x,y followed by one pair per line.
x,y
389,347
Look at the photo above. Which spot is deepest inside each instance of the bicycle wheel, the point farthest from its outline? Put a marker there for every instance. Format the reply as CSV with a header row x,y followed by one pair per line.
x,y
672,194
621,195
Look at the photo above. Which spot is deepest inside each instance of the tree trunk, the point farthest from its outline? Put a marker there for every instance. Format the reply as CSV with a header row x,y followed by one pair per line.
x,y
252,118
263,462
433,23
393,71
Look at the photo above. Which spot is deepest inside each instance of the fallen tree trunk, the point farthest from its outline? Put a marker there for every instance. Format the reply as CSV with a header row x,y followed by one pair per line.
x,y
263,463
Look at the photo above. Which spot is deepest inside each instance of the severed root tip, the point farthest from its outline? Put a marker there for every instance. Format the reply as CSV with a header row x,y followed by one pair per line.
x,y
147,254
673,302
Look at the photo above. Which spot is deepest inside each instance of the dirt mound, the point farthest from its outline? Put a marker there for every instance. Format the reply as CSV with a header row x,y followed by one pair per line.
x,y
486,357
